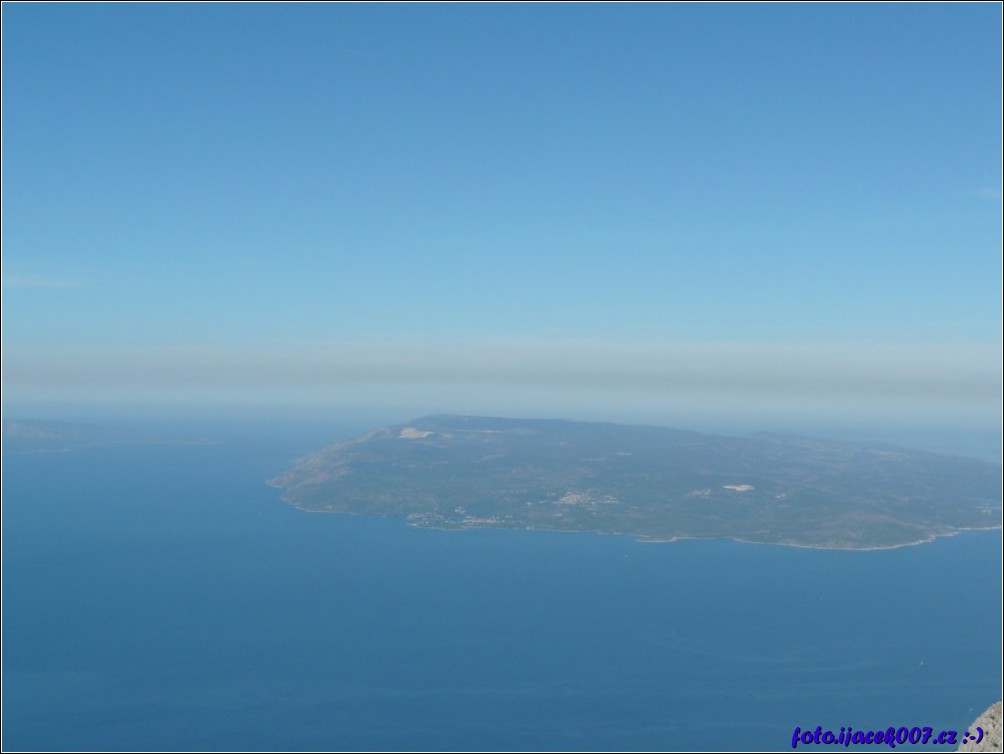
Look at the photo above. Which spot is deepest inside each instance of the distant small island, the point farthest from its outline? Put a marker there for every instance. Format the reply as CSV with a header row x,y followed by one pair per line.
x,y
33,436
658,484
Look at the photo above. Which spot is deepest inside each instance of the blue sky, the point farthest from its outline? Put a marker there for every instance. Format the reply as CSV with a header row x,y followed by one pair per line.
x,y
569,209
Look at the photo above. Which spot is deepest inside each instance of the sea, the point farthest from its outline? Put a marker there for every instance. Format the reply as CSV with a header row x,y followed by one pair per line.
x,y
163,597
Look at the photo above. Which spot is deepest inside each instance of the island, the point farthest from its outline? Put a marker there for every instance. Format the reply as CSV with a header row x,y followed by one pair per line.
x,y
34,436
655,483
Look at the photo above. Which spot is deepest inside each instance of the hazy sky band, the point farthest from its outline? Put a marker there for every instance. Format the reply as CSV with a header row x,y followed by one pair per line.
x,y
967,374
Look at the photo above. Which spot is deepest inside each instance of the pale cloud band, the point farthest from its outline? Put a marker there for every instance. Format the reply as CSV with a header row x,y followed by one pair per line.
x,y
39,282
964,379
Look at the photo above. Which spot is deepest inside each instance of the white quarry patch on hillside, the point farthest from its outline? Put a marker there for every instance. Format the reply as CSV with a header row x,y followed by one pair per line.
x,y
574,498
410,433
583,498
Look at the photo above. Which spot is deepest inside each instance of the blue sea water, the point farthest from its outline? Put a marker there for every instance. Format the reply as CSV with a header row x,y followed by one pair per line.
x,y
160,597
